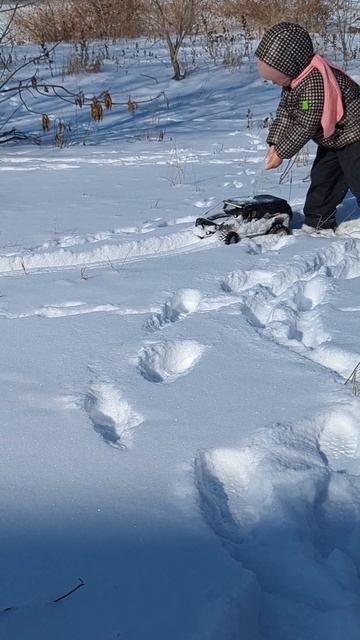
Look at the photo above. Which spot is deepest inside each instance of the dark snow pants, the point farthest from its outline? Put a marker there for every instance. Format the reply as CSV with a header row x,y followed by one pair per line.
x,y
334,172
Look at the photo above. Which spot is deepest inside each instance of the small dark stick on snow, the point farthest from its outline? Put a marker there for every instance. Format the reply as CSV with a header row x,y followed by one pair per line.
x,y
66,595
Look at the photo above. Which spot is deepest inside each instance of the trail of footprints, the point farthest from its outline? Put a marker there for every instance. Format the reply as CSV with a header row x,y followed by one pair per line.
x,y
285,306
286,505
165,361
294,488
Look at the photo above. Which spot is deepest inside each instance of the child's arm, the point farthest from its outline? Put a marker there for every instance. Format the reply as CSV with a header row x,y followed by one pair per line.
x,y
301,117
282,121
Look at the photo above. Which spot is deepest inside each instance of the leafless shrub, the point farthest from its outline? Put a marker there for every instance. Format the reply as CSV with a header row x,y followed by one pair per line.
x,y
62,134
131,105
76,64
346,29
97,111
232,58
108,101
312,14
75,20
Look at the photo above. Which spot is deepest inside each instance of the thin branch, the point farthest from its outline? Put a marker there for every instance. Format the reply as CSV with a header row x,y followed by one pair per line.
x,y
55,87
145,75
59,599
17,5
69,593
26,64
14,134
353,373
10,117
62,97
25,105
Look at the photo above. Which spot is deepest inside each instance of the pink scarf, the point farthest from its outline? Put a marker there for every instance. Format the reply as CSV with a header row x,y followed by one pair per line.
x,y
333,105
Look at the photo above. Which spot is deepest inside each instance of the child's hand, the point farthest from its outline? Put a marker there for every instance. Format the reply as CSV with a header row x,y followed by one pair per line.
x,y
272,159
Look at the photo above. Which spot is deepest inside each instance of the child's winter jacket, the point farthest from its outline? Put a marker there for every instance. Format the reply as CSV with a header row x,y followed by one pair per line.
x,y
288,48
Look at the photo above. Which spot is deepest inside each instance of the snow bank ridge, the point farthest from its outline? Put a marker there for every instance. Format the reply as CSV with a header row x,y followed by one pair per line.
x,y
66,258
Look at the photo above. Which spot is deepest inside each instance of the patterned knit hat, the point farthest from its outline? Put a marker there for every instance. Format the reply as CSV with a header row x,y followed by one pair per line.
x,y
287,47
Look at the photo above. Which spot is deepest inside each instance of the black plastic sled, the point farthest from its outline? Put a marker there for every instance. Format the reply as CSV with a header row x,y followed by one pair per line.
x,y
250,218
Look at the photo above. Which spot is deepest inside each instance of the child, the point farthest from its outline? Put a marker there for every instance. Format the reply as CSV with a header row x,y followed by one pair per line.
x,y
318,102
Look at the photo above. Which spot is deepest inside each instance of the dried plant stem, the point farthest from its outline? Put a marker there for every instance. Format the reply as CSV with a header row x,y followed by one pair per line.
x,y
69,593
353,378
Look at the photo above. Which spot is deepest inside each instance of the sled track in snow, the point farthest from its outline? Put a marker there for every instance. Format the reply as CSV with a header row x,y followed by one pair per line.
x,y
168,158
117,254
54,256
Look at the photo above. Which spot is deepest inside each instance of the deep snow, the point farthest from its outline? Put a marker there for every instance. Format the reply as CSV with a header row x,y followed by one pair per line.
x,y
175,428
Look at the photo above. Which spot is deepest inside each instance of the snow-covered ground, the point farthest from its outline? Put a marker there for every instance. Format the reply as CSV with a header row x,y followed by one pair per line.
x,y
176,436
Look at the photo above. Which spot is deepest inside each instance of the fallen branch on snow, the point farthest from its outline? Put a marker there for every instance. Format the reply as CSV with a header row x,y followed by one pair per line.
x,y
58,599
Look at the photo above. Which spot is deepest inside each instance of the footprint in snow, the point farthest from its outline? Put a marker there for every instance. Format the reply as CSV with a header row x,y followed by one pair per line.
x,y
111,415
287,506
236,184
177,307
203,204
167,361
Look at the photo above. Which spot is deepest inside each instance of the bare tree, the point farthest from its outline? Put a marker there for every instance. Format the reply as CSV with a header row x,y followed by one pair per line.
x,y
173,20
